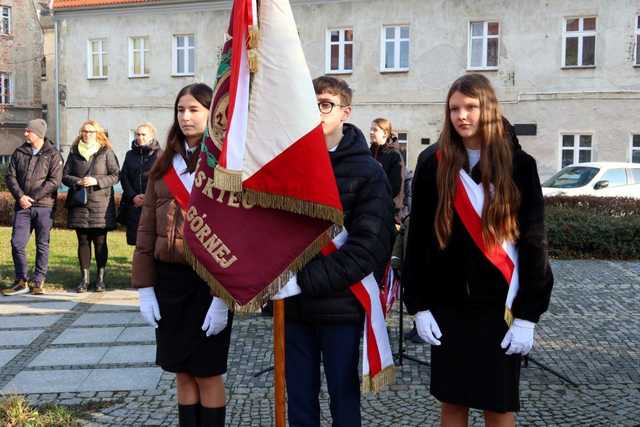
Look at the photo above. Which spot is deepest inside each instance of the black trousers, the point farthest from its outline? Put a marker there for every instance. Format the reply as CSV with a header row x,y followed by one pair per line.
x,y
97,236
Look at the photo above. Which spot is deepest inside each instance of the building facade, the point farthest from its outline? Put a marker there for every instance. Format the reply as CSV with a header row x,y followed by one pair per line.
x,y
21,69
567,73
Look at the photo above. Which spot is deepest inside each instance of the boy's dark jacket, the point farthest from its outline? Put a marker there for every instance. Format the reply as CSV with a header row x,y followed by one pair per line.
x,y
460,275
36,176
368,218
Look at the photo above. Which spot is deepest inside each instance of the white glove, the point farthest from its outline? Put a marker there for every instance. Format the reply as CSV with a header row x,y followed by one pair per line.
x,y
149,307
427,327
519,337
216,318
288,290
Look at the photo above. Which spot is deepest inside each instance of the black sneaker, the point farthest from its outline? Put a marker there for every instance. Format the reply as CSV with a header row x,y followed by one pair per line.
x,y
19,288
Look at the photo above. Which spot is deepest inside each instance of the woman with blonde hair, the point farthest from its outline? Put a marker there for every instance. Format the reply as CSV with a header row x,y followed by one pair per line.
x,y
384,150
90,173
476,270
145,148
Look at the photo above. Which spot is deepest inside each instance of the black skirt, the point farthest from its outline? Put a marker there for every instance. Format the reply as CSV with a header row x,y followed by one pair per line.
x,y
470,368
182,345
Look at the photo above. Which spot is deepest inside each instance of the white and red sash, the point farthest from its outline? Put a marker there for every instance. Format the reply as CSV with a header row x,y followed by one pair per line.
x,y
377,367
468,203
179,181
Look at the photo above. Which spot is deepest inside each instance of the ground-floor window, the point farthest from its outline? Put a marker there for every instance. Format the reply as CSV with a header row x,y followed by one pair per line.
x,y
576,148
635,148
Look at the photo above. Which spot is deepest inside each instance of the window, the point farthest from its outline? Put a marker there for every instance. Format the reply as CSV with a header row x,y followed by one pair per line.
x,y
6,86
138,56
5,159
339,55
403,144
97,64
484,38
184,55
5,20
395,48
616,177
638,40
579,42
576,149
635,148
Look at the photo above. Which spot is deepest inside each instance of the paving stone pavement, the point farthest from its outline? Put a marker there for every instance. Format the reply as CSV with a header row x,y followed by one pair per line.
x,y
95,349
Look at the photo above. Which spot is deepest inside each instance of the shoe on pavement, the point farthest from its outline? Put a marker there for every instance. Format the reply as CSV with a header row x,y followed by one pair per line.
x,y
37,288
19,287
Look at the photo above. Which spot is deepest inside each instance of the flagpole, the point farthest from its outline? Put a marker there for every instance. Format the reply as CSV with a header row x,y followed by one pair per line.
x,y
278,356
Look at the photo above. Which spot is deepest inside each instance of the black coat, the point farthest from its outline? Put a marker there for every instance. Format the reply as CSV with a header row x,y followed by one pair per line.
x,y
368,218
460,274
100,210
36,176
133,177
391,161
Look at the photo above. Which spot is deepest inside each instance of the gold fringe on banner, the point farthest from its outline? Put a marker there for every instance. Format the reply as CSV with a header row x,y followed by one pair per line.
x,y
508,316
253,60
227,179
373,385
297,206
265,295
252,42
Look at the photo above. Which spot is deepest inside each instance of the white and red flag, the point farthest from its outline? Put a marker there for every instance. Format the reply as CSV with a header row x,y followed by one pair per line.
x,y
264,197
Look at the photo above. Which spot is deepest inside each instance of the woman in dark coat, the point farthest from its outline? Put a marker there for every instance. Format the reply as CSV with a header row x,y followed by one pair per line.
x,y
476,270
133,177
386,153
91,165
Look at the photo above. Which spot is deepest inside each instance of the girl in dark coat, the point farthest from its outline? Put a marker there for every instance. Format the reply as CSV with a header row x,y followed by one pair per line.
x,y
92,165
476,269
384,150
133,177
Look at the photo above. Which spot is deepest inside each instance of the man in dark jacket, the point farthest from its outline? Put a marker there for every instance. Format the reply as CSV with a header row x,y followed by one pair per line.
x,y
323,318
33,177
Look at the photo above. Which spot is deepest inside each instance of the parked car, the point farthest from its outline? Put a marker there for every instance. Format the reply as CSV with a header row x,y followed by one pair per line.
x,y
604,179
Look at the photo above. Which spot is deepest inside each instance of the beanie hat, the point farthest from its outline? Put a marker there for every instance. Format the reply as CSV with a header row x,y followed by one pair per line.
x,y
38,126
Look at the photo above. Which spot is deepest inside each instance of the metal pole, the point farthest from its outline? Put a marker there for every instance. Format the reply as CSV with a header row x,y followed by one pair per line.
x,y
57,83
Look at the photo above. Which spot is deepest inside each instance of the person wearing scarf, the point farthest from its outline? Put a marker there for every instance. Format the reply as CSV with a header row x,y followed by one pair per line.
x,y
92,166
476,272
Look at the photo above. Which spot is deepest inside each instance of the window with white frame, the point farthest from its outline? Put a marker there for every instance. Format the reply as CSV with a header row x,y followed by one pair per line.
x,y
97,64
5,20
638,40
403,141
484,41
635,148
579,42
339,52
395,48
576,148
5,159
184,55
138,56
6,88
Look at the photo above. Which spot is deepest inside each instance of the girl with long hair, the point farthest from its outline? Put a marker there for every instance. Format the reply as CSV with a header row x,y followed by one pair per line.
x,y
384,149
91,168
476,271
193,327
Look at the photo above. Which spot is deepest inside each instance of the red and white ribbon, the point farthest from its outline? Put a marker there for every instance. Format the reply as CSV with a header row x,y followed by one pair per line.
x,y
179,181
377,359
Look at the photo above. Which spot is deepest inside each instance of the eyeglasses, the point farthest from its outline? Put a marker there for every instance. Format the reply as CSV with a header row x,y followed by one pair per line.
x,y
326,107
88,131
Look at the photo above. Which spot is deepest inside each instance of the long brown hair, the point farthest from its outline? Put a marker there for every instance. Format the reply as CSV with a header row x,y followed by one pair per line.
x,y
175,139
499,214
101,135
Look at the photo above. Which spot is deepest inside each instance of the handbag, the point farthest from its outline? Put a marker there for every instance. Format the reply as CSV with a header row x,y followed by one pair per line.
x,y
80,196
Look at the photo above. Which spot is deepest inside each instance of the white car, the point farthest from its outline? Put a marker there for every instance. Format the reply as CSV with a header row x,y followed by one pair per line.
x,y
603,179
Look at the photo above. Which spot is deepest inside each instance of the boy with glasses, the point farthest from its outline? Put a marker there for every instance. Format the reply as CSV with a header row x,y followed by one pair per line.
x,y
324,320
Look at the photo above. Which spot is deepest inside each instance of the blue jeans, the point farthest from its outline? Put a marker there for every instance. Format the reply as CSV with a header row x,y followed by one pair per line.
x,y
339,346
25,221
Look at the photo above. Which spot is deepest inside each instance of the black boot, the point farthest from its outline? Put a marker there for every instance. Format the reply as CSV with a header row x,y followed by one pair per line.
x,y
212,417
84,282
100,282
188,415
